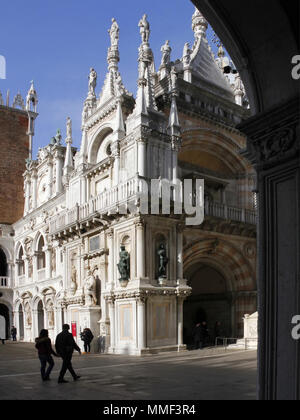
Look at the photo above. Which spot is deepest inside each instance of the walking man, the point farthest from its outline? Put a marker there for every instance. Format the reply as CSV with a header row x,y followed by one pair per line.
x,y
65,345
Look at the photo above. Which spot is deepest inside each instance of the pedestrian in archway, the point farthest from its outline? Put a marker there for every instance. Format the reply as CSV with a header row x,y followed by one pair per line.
x,y
65,345
197,334
87,337
45,351
13,332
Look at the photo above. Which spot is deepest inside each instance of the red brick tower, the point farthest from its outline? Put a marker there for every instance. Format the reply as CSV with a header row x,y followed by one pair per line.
x,y
16,131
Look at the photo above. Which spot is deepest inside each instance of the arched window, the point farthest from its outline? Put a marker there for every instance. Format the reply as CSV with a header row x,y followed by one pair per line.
x,y
20,262
3,264
41,260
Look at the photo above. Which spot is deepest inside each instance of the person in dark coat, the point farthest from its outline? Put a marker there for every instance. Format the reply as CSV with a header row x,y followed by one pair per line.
x,y
65,345
204,334
197,336
13,332
87,338
45,350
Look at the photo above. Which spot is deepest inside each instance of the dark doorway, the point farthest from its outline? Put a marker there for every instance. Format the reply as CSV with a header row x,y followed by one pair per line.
x,y
4,311
210,302
21,323
3,264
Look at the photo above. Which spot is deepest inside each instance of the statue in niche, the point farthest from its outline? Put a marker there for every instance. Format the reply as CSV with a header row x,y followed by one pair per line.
x,y
124,265
89,289
73,280
92,82
114,33
162,261
166,54
144,29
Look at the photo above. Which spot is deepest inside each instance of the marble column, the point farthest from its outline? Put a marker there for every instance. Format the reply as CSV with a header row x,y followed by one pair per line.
x,y
141,310
112,324
180,301
142,158
110,245
140,250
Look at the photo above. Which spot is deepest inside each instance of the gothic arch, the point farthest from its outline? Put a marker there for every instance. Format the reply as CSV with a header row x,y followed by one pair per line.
x,y
225,255
97,140
217,145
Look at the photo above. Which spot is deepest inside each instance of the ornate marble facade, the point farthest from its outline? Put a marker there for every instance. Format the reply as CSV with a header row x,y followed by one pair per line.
x,y
82,207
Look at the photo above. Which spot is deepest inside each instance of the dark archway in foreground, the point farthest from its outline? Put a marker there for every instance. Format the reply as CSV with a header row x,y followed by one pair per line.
x,y
262,39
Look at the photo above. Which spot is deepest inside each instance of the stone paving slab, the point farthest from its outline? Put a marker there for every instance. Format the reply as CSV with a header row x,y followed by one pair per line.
x,y
198,375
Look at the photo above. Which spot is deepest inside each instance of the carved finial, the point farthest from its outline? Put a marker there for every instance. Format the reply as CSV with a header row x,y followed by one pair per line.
x,y
31,99
69,130
199,24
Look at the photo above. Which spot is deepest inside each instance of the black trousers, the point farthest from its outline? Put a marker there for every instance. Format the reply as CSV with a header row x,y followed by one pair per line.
x,y
44,359
87,346
67,365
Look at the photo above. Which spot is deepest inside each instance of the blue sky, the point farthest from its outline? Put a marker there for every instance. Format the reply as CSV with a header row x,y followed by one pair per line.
x,y
56,42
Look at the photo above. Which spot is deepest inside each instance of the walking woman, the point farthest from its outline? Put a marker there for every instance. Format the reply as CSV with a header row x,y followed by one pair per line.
x,y
44,347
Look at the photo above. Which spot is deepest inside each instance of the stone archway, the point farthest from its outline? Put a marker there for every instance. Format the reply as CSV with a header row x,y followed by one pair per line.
x,y
230,281
211,301
4,312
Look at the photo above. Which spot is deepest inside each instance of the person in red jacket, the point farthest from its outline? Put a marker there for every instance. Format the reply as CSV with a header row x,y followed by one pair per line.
x,y
44,347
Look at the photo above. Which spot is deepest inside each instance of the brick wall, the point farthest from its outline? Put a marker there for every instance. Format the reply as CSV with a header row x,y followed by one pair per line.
x,y
14,149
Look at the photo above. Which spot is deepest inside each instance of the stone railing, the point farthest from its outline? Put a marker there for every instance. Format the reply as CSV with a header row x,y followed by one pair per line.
x,y
5,282
222,211
135,188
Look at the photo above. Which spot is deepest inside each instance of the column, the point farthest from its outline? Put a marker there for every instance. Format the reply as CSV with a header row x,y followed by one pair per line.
x,y
27,192
34,190
140,250
179,253
141,311
58,172
50,179
180,301
111,303
273,147
48,250
110,246
142,158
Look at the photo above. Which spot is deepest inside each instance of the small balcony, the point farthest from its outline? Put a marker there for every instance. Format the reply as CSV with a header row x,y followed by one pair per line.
x,y
112,200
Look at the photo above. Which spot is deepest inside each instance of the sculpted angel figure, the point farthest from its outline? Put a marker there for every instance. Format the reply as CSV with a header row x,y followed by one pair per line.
x,y
144,29
114,33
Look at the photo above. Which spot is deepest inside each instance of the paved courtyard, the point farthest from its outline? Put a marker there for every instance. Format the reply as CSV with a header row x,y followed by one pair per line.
x,y
192,375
